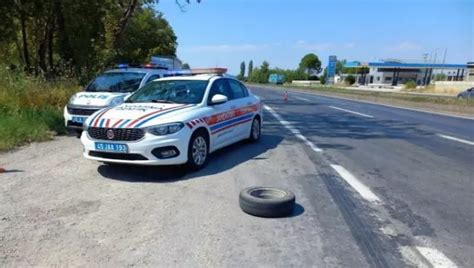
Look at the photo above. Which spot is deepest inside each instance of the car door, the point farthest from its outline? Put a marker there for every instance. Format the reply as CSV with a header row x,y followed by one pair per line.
x,y
221,115
241,102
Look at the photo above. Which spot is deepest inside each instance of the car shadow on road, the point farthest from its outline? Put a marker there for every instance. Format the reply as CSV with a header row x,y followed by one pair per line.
x,y
219,161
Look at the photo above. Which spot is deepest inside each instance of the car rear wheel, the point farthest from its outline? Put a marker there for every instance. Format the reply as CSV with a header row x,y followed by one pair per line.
x,y
198,150
255,130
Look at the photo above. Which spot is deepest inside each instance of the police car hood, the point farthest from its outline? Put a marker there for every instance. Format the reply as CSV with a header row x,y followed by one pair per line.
x,y
95,98
134,115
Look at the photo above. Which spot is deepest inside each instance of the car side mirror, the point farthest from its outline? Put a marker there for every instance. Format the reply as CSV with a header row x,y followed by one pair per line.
x,y
219,99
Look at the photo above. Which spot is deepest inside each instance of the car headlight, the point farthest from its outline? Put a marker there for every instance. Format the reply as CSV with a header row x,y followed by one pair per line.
x,y
72,98
165,129
116,101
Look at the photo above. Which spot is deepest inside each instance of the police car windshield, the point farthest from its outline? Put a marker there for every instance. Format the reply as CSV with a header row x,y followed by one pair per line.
x,y
171,91
116,82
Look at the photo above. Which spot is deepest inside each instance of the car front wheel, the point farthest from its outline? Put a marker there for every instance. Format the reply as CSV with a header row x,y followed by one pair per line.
x,y
198,150
255,130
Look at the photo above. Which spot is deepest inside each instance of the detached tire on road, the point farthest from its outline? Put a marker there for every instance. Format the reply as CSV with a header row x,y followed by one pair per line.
x,y
267,202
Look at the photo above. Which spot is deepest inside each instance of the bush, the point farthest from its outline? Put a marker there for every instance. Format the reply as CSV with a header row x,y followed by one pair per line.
x,y
322,78
30,108
410,85
350,80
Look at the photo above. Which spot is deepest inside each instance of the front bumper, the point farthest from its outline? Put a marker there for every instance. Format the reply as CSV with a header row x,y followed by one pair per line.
x,y
141,152
70,119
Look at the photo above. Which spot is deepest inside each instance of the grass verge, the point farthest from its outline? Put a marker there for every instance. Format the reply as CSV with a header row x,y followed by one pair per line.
x,y
31,109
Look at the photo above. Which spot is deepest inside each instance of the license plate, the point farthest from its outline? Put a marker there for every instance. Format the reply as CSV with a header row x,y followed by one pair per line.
x,y
111,147
79,119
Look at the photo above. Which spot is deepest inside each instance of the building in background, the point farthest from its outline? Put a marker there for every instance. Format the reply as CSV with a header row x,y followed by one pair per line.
x,y
470,71
394,73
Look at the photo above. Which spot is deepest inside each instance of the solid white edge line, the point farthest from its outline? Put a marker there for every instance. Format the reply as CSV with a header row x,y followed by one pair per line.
x,y
436,257
352,112
455,139
293,130
363,190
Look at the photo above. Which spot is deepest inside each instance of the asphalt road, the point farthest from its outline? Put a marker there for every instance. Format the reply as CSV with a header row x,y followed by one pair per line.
x,y
381,189
420,165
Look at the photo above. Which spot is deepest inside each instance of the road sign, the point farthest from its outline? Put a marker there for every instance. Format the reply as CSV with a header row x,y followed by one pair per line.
x,y
331,69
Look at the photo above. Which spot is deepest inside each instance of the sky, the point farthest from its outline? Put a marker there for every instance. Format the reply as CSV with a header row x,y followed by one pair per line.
x,y
224,33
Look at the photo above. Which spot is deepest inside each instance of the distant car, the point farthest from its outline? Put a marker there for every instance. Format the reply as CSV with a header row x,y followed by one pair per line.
x,y
466,94
108,89
174,120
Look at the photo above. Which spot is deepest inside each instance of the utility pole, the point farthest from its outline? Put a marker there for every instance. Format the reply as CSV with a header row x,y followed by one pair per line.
x,y
444,59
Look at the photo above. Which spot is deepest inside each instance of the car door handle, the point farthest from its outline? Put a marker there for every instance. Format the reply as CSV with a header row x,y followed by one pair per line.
x,y
249,103
233,107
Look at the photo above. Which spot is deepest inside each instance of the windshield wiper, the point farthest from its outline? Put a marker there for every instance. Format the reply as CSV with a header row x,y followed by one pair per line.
x,y
162,101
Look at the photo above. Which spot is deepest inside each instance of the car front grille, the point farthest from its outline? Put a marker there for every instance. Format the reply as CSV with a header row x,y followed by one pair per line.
x,y
117,156
81,111
120,134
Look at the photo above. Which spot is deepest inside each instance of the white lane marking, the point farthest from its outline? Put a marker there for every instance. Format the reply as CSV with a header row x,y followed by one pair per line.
x,y
436,257
363,190
382,104
352,112
303,99
293,130
455,139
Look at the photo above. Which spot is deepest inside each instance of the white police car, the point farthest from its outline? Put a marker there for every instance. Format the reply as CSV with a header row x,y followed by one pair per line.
x,y
108,89
174,120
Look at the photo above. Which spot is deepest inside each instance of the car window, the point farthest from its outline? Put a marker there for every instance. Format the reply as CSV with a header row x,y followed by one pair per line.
x,y
152,77
116,82
172,91
236,89
244,89
220,86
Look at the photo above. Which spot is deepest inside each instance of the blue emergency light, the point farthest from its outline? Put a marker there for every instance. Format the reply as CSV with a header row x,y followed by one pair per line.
x,y
122,66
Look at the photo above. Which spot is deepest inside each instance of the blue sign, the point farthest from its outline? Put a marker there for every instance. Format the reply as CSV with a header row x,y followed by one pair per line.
x,y
331,69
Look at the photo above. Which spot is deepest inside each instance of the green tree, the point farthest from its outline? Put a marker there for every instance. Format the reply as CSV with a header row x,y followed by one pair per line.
x,y
250,68
339,66
242,69
186,66
265,72
148,33
260,75
311,64
80,38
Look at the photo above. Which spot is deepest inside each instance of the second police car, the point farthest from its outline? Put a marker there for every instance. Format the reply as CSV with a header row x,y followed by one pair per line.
x,y
113,86
174,120
108,89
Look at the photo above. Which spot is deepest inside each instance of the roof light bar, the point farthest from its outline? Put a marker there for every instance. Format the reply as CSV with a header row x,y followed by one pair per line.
x,y
209,71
